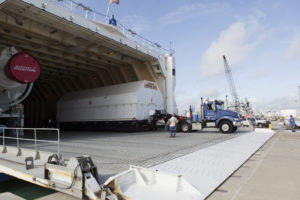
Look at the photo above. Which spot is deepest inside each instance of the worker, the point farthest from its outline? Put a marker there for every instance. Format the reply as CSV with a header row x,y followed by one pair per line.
x,y
113,21
292,123
172,126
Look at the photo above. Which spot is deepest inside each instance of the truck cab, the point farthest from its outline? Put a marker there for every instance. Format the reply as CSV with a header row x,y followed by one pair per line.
x,y
213,110
215,115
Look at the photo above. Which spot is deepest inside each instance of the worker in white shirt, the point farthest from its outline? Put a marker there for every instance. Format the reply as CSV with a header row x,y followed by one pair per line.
x,y
172,125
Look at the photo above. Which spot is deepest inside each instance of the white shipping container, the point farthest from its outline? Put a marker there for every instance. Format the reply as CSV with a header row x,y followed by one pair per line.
x,y
111,103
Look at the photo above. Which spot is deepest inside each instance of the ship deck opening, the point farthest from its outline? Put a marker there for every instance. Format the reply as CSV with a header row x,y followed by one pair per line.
x,y
71,57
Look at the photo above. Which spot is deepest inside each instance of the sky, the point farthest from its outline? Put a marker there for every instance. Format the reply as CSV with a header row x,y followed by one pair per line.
x,y
260,39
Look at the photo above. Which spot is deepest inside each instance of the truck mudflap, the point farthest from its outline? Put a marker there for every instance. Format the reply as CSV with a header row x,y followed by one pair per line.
x,y
145,184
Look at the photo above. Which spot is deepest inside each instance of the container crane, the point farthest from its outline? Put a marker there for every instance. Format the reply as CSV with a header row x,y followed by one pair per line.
x,y
234,94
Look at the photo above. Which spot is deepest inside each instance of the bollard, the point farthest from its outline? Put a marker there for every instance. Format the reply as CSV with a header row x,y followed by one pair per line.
x,y
270,126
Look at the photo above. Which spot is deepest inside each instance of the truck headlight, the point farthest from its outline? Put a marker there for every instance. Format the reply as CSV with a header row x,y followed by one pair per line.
x,y
236,119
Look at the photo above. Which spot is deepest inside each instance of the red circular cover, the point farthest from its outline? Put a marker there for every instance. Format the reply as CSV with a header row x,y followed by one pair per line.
x,y
22,67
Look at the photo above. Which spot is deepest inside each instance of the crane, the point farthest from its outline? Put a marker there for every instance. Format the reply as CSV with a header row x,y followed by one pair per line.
x,y
234,94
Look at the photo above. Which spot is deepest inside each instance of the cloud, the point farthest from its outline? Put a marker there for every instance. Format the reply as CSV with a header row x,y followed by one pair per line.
x,y
236,42
260,74
289,101
186,12
294,48
211,93
136,23
185,99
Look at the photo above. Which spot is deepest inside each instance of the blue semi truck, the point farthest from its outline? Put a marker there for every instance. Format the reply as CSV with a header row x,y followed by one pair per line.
x,y
212,115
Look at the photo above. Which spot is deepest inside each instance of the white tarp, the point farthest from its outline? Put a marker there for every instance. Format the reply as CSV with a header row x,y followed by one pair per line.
x,y
111,103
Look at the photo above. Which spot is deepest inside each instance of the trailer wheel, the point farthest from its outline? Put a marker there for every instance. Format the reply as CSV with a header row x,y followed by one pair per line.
x,y
226,127
185,127
153,126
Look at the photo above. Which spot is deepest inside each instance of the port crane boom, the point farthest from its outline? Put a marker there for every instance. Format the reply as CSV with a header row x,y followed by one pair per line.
x,y
234,94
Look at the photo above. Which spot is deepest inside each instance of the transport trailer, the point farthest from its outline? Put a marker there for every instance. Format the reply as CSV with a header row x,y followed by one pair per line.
x,y
128,106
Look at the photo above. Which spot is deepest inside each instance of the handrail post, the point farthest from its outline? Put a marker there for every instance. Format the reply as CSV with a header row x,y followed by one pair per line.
x,y
4,150
17,138
35,148
18,145
37,153
3,136
58,144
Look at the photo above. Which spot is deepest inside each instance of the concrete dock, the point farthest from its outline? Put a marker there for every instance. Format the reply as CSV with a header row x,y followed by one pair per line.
x,y
272,173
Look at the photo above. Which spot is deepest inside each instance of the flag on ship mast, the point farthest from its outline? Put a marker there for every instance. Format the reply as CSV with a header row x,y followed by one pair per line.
x,y
111,2
114,1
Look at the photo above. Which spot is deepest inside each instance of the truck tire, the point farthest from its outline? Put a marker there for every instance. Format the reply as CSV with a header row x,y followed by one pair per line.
x,y
260,125
153,126
234,129
185,127
226,127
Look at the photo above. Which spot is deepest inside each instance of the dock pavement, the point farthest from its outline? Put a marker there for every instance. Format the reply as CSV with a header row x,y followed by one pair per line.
x,y
272,173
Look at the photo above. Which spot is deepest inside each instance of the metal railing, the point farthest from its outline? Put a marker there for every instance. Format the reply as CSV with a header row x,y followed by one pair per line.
x,y
35,140
89,14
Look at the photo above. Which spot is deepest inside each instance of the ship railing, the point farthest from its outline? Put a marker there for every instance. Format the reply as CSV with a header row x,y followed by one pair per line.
x,y
18,132
89,14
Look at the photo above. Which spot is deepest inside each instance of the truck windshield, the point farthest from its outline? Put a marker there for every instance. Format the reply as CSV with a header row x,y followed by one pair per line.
x,y
220,106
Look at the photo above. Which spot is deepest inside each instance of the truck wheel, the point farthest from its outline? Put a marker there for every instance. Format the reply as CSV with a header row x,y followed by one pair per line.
x,y
234,129
185,127
226,127
260,125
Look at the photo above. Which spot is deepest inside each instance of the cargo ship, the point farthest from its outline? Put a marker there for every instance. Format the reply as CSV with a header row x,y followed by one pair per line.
x,y
75,51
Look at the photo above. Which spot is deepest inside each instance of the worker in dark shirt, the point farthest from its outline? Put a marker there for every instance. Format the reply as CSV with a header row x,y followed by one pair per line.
x,y
292,123
113,21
